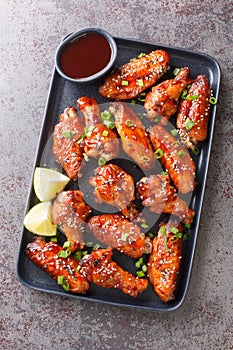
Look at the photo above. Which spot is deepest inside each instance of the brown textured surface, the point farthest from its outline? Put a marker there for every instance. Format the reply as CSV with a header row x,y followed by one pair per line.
x,y
29,34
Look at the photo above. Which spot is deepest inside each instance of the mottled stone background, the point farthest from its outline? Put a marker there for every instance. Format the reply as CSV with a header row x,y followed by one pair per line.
x,y
30,31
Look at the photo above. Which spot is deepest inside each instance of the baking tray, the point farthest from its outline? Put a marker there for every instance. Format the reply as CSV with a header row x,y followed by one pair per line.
x,y
62,94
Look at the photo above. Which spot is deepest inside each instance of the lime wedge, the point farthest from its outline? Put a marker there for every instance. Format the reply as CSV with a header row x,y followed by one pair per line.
x,y
47,183
38,220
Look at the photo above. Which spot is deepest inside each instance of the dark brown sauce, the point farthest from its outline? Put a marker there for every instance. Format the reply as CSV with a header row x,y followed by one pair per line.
x,y
85,56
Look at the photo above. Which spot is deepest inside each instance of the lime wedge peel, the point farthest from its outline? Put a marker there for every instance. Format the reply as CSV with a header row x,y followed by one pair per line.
x,y
48,183
38,220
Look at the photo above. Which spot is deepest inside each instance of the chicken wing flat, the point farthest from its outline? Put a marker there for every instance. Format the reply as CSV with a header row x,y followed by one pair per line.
x,y
162,100
69,212
46,256
157,194
193,115
174,158
66,147
134,138
100,141
99,268
135,76
164,262
113,186
117,232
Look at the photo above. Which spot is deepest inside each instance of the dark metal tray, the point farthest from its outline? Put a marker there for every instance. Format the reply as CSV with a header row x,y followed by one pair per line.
x,y
63,94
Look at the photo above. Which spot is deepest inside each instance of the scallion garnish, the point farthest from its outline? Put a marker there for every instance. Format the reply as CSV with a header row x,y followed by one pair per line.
x,y
60,279
63,282
140,83
124,236
129,123
66,244
144,226
101,161
142,54
189,124
140,273
158,153
142,97
64,253
187,226
78,255
86,158
67,133
144,268
105,133
176,71
163,232
190,98
139,263
174,132
212,100
157,119
53,239
181,153
150,234
145,159
133,102
195,150
108,119
124,83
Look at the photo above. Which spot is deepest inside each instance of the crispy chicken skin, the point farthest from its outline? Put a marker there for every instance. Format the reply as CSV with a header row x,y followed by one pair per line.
x,y
45,255
69,212
162,100
117,232
99,268
197,111
134,138
157,194
174,158
113,186
135,76
66,147
164,262
100,141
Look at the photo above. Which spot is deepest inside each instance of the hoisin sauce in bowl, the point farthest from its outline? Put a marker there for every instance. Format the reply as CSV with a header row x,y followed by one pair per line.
x,y
86,55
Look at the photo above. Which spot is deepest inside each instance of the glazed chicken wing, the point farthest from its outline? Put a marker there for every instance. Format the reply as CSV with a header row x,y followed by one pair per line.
x,y
174,157
69,212
162,100
164,262
134,138
135,76
100,141
117,232
193,115
46,256
113,186
99,268
66,147
157,194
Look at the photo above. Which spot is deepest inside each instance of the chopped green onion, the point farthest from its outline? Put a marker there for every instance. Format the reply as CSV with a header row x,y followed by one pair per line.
x,y
158,153
106,115
176,71
176,143
96,246
176,232
53,239
83,136
108,119
132,59
144,225
133,102
124,83
65,284
145,159
78,255
150,234
212,100
189,123
101,161
184,94
124,236
129,122
86,158
142,54
89,244
185,237
66,244
190,98
157,119
139,263
163,232
78,268
195,150
60,279
174,132
142,97
88,130
64,253
109,123
187,226
84,252
164,172
181,153
144,268
140,273
140,83
67,133
105,133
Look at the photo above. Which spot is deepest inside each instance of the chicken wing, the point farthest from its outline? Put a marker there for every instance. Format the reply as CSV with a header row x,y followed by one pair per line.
x,y
135,76
46,256
162,100
164,262
193,115
174,157
66,148
117,232
113,186
69,212
100,141
134,138
99,268
157,194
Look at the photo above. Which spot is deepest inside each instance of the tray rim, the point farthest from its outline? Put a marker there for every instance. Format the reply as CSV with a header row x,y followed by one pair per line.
x,y
167,307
